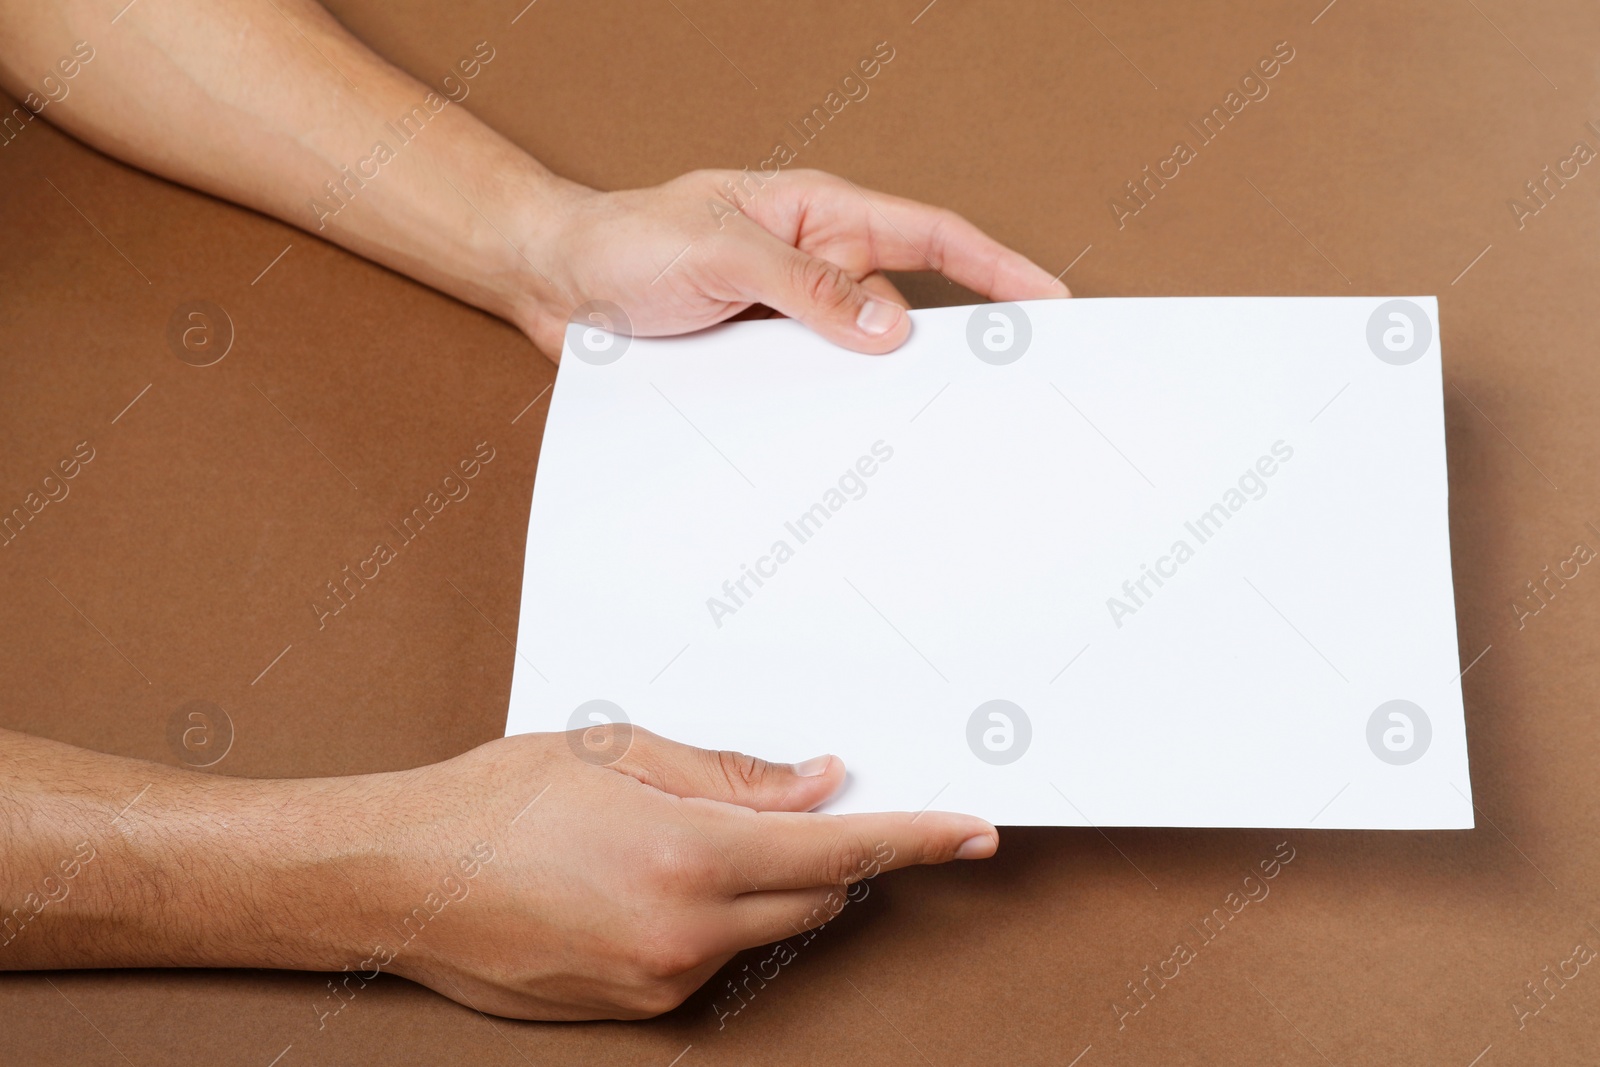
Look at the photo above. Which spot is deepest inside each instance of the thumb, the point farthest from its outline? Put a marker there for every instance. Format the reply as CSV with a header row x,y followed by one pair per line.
x,y
731,777
819,294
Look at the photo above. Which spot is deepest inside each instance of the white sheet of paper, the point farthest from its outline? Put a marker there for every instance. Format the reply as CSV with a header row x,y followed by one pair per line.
x,y
1196,546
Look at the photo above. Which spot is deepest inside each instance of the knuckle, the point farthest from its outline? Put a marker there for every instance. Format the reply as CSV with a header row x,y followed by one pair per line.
x,y
739,770
662,954
657,998
942,232
823,284
675,861
704,176
839,864
945,221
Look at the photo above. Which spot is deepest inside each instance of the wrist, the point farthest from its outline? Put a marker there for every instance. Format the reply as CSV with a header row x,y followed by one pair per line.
x,y
480,219
541,275
334,864
436,847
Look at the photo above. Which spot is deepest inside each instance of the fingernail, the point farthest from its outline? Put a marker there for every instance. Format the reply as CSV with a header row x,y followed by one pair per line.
x,y
976,848
812,767
877,318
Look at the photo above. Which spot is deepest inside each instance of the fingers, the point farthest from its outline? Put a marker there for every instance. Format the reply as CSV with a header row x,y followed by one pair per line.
x,y
907,235
790,850
861,317
731,777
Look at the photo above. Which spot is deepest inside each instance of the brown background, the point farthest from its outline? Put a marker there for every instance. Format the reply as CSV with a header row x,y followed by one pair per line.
x,y
206,523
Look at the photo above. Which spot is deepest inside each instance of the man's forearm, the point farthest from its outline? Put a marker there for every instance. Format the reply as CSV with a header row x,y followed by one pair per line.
x,y
273,104
110,862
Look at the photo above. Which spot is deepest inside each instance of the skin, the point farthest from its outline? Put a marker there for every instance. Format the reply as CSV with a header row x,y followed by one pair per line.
x,y
622,887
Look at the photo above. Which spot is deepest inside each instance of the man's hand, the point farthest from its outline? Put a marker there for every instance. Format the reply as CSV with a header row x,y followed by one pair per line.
x,y
620,890
288,124
698,249
520,878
